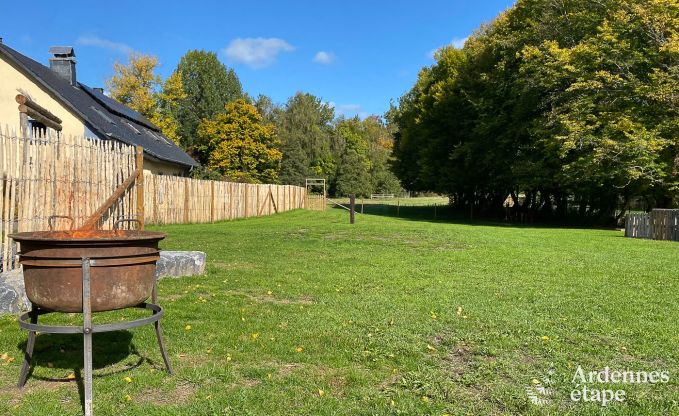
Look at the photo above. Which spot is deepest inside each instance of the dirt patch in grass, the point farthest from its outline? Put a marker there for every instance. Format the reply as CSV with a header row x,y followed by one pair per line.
x,y
303,300
458,361
181,394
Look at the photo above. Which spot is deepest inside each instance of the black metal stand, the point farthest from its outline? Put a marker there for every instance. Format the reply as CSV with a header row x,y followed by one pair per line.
x,y
87,330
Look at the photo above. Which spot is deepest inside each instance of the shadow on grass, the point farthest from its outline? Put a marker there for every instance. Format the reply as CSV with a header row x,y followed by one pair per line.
x,y
110,350
445,214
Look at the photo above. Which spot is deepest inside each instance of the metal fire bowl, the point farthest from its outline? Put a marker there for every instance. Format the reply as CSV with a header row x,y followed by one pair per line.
x,y
121,275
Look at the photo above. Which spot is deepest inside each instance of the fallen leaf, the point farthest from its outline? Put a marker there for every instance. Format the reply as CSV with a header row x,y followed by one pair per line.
x,y
128,379
71,376
299,349
321,393
187,327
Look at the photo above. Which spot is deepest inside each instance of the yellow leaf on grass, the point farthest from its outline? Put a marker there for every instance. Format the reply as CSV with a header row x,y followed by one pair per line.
x,y
430,348
128,379
71,376
459,310
187,327
128,398
255,335
544,338
299,349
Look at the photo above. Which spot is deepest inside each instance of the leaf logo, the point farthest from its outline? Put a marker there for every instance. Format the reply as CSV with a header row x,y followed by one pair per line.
x,y
539,393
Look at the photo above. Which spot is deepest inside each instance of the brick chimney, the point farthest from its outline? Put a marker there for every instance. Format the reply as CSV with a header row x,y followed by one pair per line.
x,y
63,63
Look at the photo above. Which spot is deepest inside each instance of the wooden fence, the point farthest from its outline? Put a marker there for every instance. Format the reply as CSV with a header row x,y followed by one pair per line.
x,y
659,224
47,175
173,200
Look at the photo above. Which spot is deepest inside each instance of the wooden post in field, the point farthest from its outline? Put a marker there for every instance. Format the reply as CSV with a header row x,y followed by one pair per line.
x,y
435,206
352,208
362,204
398,207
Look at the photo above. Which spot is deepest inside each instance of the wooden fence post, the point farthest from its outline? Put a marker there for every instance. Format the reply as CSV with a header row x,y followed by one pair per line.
x,y
352,208
212,201
155,199
186,201
140,186
246,200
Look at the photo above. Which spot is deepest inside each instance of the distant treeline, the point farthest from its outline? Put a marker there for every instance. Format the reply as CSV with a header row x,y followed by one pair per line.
x,y
201,106
567,107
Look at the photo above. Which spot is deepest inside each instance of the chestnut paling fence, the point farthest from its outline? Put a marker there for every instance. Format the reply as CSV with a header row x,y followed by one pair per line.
x,y
48,175
172,199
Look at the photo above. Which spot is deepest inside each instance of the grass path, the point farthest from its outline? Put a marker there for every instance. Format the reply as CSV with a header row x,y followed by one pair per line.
x,y
301,313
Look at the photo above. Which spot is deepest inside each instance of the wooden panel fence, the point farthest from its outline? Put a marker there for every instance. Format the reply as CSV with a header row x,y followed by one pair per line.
x,y
173,200
47,175
659,224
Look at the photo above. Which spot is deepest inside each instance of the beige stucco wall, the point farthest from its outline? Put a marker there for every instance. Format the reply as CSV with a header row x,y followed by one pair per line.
x,y
13,82
161,168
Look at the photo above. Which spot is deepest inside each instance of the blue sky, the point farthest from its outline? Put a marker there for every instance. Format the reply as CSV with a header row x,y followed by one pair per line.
x,y
355,54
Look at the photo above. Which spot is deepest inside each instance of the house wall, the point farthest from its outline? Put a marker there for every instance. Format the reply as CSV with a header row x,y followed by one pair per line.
x,y
13,82
162,168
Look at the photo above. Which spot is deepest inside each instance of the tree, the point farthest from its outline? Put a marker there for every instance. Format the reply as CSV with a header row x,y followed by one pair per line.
x,y
240,145
208,86
352,175
553,103
305,130
136,83
139,87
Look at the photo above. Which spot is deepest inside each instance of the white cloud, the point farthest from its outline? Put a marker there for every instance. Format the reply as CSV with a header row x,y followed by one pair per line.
x,y
256,52
457,43
323,57
348,108
106,44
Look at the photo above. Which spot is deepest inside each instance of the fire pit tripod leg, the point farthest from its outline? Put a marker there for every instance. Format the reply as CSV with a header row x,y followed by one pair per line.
x,y
87,336
30,344
159,330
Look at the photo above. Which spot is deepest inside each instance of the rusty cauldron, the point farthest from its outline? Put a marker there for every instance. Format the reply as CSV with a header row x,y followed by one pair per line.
x,y
122,272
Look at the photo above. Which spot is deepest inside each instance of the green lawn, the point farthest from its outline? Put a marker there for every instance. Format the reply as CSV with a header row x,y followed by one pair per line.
x,y
301,313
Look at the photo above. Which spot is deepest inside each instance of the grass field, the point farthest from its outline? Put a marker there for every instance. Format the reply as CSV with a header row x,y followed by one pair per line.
x,y
301,313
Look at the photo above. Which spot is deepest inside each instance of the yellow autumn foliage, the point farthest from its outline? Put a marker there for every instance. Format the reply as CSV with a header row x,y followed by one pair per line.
x,y
241,145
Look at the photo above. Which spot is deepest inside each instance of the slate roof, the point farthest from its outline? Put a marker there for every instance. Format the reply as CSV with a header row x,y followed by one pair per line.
x,y
104,116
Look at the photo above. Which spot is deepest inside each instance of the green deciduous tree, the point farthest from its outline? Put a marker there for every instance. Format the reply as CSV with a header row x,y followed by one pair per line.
x,y
560,105
208,86
305,130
